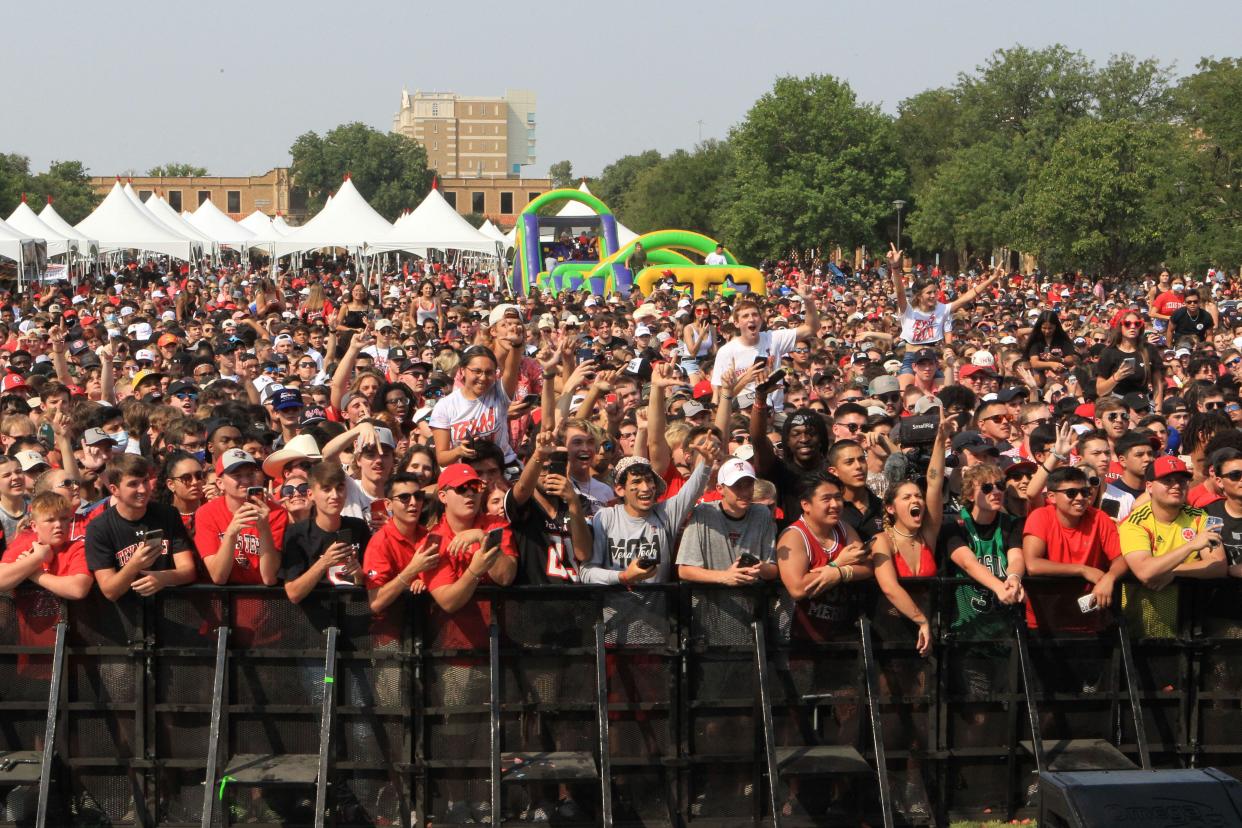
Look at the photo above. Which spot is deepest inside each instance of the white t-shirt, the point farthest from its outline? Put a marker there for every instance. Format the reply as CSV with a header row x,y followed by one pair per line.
x,y
919,328
715,258
1124,500
736,355
380,356
357,501
486,418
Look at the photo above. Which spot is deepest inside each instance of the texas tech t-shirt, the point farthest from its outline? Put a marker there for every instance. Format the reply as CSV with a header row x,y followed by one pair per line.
x,y
111,540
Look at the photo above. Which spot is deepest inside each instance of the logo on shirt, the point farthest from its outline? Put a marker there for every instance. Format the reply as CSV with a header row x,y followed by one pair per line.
x,y
624,551
1188,534
465,430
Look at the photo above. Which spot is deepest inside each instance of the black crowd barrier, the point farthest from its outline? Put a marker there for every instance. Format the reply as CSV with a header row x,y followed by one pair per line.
x,y
220,706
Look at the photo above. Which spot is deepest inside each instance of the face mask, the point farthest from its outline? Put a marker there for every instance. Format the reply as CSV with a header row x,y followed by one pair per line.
x,y
122,440
200,455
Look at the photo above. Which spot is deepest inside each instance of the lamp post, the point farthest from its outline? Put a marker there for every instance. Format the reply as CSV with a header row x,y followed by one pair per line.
x,y
898,205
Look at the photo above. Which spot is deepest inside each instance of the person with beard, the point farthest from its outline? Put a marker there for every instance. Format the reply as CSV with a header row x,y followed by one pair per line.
x,y
805,440
862,510
540,509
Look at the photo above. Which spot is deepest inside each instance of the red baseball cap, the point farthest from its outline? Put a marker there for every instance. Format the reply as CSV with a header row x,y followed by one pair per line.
x,y
1166,465
1086,410
12,382
703,389
457,474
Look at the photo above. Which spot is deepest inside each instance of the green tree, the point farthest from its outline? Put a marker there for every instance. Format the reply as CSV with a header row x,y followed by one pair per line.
x,y
69,185
926,127
562,174
615,182
388,169
682,191
14,180
1208,102
1104,200
177,171
476,219
810,166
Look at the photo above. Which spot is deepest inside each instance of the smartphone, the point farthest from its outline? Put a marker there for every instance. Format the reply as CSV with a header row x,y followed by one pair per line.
x,y
648,563
1214,524
747,559
586,355
1131,361
761,360
1112,508
255,491
558,463
155,537
777,377
493,538
379,508
345,536
530,399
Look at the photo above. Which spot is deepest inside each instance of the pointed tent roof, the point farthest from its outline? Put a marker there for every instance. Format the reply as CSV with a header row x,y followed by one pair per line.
x,y
435,224
24,220
281,226
13,243
166,215
492,231
52,219
120,224
260,225
576,208
218,226
347,220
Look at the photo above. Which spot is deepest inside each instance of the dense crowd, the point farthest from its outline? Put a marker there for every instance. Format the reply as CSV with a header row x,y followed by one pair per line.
x,y
420,431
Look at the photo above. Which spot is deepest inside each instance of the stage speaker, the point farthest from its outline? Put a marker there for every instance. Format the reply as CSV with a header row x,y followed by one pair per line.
x,y
1200,797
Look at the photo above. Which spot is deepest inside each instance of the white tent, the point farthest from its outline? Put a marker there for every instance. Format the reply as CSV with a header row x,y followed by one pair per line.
x,y
166,215
346,221
24,220
492,231
281,226
16,245
434,224
576,208
49,216
120,224
220,227
260,225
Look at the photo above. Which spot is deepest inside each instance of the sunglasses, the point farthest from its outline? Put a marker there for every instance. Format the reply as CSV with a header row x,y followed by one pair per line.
x,y
186,395
467,489
1214,405
850,427
1075,492
1037,422
191,477
988,488
1129,323
891,397
997,418
1113,416
1233,476
849,399
300,489
69,483
397,401
404,498
307,365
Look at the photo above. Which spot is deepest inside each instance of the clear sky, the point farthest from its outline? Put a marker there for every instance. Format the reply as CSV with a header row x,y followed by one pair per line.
x,y
229,85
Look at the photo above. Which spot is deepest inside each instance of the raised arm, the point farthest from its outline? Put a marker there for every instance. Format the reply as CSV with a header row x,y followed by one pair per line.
x,y
975,291
935,483
345,368
658,451
809,329
896,265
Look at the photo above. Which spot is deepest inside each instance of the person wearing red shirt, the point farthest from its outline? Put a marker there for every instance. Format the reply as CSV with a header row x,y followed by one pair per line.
x,y
1165,304
402,550
1072,539
239,535
465,558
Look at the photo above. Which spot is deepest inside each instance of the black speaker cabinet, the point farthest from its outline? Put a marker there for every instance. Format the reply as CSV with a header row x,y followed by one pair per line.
x,y
1197,798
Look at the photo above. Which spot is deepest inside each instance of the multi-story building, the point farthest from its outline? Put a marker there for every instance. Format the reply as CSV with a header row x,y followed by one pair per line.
x,y
470,137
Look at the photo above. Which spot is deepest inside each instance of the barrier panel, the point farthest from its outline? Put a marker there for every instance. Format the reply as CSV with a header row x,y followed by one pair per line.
x,y
431,713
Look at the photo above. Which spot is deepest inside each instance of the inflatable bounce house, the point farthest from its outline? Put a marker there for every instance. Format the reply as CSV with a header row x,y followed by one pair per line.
x,y
581,247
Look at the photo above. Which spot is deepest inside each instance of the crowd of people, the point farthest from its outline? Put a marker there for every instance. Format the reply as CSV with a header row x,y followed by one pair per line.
x,y
417,431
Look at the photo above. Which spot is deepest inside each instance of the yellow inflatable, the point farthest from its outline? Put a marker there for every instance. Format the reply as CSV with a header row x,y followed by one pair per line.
x,y
700,278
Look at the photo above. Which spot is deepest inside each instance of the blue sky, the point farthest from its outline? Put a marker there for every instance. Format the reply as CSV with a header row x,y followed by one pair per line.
x,y
230,85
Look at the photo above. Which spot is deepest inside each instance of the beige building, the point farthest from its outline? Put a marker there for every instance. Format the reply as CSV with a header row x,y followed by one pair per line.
x,y
270,193
468,137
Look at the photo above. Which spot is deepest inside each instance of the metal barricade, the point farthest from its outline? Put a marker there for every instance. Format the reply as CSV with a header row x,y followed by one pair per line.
x,y
685,739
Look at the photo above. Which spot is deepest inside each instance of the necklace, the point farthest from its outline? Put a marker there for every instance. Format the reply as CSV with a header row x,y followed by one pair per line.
x,y
904,534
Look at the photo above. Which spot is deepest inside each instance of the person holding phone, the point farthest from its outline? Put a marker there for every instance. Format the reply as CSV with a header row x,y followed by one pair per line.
x,y
137,546
326,547
540,509
402,551
729,541
240,534
1130,365
753,344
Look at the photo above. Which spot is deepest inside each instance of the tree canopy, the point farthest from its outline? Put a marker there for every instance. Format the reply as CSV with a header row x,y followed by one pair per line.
x,y
177,171
66,182
389,169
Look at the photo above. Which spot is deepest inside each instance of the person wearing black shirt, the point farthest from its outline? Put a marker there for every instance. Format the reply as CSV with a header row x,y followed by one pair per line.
x,y
862,511
539,507
117,549
325,546
805,439
1129,365
1227,467
1191,319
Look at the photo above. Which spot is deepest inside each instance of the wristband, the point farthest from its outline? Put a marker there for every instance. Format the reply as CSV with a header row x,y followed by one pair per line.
x,y
401,578
476,577
1061,457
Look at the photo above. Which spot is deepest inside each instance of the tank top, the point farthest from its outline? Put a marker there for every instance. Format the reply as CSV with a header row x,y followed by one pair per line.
x,y
927,562
826,616
424,314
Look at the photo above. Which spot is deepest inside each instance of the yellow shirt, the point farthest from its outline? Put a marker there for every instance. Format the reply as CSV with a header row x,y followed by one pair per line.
x,y
1154,614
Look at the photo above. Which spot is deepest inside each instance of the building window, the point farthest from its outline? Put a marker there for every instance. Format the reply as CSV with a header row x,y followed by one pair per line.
x,y
435,127
477,204
451,198
469,109
143,195
203,197
435,110
531,197
234,201
435,145
506,203
174,200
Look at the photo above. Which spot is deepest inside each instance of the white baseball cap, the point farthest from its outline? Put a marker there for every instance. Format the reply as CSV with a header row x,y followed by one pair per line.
x,y
498,313
983,359
642,330
734,470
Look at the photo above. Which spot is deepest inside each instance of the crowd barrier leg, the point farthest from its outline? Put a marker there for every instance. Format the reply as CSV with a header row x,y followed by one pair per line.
x,y
49,731
601,712
217,722
493,704
296,769
765,709
1136,707
877,731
